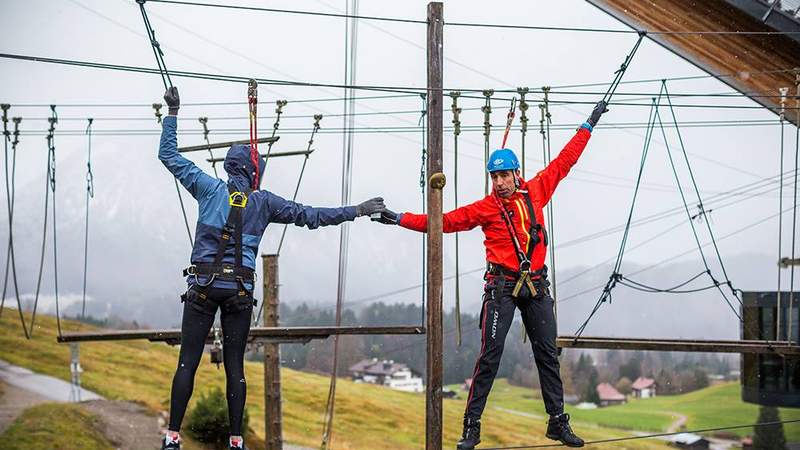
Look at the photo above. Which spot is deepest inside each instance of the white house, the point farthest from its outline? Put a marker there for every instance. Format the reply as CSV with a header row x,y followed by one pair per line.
x,y
644,387
386,373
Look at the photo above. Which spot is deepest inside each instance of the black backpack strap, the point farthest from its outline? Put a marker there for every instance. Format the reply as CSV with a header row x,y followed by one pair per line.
x,y
533,230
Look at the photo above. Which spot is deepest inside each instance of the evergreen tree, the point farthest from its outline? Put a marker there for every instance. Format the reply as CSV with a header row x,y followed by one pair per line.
x,y
769,437
591,395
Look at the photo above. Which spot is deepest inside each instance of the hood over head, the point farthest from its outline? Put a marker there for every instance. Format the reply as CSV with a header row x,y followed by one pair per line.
x,y
240,169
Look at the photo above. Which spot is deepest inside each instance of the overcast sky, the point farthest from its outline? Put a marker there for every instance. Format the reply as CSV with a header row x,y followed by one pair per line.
x,y
135,220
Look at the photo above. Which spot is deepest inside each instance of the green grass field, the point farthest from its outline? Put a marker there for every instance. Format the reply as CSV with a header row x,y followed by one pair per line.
x,y
716,406
367,417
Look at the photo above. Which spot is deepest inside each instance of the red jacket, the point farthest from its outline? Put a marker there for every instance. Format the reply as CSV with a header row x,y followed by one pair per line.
x,y
484,212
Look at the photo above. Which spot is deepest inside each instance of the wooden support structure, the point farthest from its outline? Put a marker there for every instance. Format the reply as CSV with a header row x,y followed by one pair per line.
x,y
198,148
436,182
680,345
273,429
271,155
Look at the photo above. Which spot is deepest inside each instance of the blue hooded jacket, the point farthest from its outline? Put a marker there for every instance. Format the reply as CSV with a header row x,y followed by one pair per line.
x,y
263,207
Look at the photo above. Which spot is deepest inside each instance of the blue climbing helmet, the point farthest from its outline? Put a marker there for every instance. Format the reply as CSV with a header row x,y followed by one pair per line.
x,y
502,159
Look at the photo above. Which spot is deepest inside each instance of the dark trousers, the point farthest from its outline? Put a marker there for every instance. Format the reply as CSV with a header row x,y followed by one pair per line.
x,y
198,316
540,325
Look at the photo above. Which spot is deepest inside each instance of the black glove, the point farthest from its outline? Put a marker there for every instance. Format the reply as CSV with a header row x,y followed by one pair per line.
x,y
173,100
598,111
371,206
388,217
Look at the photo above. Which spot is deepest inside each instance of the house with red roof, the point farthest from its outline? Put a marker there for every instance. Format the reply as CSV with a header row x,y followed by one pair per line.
x,y
609,396
644,387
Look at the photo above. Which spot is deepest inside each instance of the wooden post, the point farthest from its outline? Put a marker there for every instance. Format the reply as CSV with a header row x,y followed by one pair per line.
x,y
272,358
433,410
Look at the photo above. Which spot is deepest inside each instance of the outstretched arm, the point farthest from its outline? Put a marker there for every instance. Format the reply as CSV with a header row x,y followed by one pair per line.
x,y
461,219
547,180
280,210
190,176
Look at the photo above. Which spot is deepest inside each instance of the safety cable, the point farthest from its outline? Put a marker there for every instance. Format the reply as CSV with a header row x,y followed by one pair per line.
x,y
650,436
794,209
605,296
456,131
523,125
464,24
671,290
487,129
50,185
622,68
279,105
546,157
157,52
317,119
422,184
10,202
89,195
252,108
204,123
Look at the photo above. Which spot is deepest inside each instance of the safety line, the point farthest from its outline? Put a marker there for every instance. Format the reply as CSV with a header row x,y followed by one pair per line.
x,y
456,131
651,436
89,195
10,202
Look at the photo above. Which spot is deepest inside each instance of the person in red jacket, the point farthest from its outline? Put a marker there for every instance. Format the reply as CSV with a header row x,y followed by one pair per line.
x,y
516,277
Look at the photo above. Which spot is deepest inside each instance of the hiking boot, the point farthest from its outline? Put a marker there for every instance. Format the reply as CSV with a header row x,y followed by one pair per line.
x,y
471,436
172,445
558,429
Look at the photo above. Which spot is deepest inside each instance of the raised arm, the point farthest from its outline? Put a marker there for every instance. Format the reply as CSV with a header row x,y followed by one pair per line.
x,y
280,210
546,181
190,176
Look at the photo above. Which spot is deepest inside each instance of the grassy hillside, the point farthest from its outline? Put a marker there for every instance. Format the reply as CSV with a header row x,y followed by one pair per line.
x,y
367,417
54,426
715,406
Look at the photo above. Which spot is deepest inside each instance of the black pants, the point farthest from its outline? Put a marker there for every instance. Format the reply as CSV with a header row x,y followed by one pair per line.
x,y
540,324
198,316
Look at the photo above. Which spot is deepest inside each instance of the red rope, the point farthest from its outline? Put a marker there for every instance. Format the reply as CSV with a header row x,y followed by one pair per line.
x,y
252,103
509,120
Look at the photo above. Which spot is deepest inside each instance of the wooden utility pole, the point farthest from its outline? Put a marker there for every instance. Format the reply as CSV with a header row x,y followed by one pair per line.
x,y
433,403
272,358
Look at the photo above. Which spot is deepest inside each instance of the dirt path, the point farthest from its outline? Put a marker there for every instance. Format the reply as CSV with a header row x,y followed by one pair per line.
x,y
126,424
13,401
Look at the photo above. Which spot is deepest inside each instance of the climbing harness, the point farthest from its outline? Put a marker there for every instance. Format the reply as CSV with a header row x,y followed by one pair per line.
x,y
456,131
10,201
524,276
204,122
219,270
49,188
523,122
89,195
252,106
279,105
487,129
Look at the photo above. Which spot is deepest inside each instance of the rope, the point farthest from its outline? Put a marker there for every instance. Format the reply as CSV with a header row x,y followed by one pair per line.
x,y
204,122
782,118
650,436
456,131
157,52
278,111
10,201
350,41
622,68
509,120
625,281
50,186
523,124
551,204
89,195
317,118
487,129
252,106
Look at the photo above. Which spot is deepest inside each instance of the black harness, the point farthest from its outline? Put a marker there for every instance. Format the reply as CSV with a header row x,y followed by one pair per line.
x,y
523,277
232,228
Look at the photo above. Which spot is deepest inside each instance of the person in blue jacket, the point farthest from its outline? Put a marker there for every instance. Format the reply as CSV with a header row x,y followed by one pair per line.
x,y
232,218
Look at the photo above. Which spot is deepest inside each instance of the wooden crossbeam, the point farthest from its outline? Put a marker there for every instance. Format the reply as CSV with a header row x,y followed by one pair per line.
x,y
680,345
279,334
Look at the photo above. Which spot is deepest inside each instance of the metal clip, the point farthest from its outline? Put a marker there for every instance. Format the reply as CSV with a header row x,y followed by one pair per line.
x,y
157,107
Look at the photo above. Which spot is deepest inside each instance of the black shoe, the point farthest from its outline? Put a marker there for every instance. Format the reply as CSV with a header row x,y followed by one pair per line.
x,y
558,429
471,436
170,446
